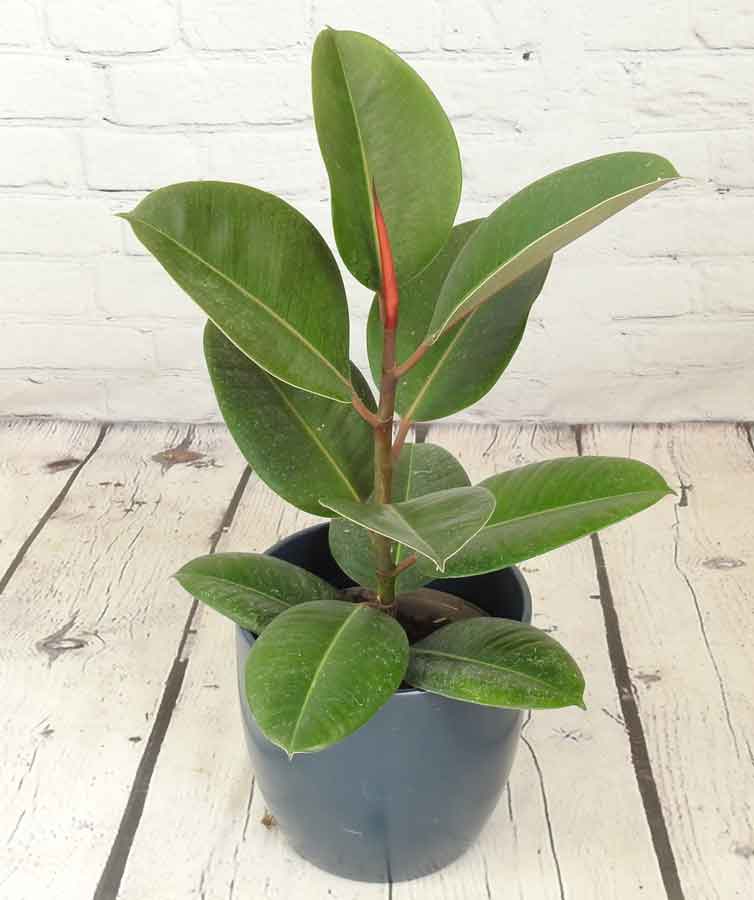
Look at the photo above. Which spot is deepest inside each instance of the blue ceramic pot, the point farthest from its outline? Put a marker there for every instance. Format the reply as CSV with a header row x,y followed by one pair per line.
x,y
409,791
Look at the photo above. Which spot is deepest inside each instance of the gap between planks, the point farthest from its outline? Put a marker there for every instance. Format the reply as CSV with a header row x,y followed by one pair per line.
x,y
77,570
208,840
112,874
624,684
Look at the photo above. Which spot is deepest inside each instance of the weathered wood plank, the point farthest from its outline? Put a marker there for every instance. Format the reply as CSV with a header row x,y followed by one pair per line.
x,y
37,459
89,627
573,798
573,769
683,585
203,784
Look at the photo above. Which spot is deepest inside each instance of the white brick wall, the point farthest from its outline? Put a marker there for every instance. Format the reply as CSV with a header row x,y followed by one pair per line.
x,y
650,317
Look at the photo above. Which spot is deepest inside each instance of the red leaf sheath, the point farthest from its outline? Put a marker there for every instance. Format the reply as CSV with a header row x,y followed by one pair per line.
x,y
389,284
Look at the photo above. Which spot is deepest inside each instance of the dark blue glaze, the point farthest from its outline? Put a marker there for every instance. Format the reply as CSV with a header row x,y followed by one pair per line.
x,y
409,791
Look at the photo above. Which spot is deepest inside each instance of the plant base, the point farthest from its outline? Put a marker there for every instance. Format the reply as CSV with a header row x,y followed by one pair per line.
x,y
408,792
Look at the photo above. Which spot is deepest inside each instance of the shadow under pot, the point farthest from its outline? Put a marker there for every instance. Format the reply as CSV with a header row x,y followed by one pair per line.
x,y
411,790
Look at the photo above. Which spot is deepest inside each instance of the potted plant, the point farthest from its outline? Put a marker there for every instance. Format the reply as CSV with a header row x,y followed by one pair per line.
x,y
385,656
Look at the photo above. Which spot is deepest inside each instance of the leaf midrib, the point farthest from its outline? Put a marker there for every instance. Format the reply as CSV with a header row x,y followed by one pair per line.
x,y
263,306
217,580
570,506
313,435
434,335
368,179
318,672
439,364
478,662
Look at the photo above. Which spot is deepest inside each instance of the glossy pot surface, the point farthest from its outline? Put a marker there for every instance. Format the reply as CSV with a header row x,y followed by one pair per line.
x,y
410,791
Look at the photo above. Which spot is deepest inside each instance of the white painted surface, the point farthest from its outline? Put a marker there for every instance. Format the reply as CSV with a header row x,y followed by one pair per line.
x,y
683,581
90,623
649,318
572,822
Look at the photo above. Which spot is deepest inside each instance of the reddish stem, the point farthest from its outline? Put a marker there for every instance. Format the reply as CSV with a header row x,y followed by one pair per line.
x,y
389,287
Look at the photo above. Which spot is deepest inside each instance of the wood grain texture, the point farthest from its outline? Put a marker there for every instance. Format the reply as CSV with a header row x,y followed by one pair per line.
x,y
37,459
534,845
89,626
203,782
575,826
683,586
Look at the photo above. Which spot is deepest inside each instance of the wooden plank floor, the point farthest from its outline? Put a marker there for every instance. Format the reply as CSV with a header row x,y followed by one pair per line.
x,y
122,767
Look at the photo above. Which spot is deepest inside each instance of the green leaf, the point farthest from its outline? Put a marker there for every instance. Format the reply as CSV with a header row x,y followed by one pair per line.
x,y
436,525
260,271
421,469
378,123
321,670
496,662
301,445
545,505
545,216
251,588
466,361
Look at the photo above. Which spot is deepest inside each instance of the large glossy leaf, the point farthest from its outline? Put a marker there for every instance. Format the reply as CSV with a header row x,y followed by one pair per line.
x,y
435,525
260,271
496,662
251,588
421,469
301,445
545,505
379,124
321,670
466,361
545,216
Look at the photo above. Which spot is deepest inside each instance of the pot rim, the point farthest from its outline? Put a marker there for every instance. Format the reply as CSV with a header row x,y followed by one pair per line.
x,y
249,636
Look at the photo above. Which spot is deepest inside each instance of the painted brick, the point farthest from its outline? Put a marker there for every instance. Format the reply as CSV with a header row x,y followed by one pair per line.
x,y
112,26
179,347
722,25
21,24
670,92
726,286
661,293
285,162
121,160
56,227
211,93
493,26
240,25
35,286
88,347
35,393
484,97
707,225
138,287
614,291
165,397
38,156
402,26
47,87
656,26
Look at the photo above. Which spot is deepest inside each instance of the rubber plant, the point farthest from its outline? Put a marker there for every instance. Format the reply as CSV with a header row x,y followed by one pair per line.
x,y
451,304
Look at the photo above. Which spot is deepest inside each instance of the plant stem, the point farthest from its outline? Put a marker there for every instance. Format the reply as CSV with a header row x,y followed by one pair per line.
x,y
383,475
383,430
400,437
417,355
